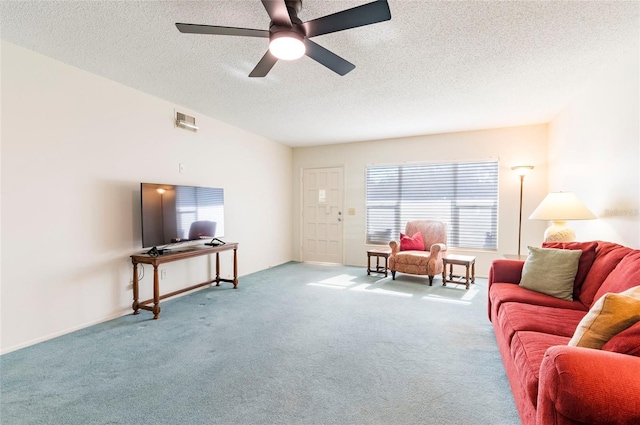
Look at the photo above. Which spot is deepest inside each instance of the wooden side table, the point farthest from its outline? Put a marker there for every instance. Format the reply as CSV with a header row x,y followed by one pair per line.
x,y
378,253
462,260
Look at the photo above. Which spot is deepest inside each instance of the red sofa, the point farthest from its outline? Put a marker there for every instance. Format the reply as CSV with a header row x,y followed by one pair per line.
x,y
553,383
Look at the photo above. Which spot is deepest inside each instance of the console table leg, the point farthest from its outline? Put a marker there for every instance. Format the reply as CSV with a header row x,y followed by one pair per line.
x,y
156,293
217,269
235,269
135,306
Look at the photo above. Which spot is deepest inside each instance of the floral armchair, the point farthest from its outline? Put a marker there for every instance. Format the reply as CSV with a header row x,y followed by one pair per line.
x,y
427,261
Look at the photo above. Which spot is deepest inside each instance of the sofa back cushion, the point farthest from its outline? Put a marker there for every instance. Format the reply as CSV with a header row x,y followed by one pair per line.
x,y
584,265
626,342
624,276
608,255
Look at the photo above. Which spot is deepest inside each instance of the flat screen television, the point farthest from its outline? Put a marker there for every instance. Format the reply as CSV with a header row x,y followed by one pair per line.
x,y
174,214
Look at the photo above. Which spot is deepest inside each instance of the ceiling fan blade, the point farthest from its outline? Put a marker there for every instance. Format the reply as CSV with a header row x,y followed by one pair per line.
x,y
359,16
216,30
327,58
278,13
264,66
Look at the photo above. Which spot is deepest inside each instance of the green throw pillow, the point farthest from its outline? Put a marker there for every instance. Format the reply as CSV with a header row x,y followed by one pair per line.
x,y
551,271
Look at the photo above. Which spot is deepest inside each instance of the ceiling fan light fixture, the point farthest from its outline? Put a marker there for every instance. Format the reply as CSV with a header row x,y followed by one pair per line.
x,y
287,45
290,38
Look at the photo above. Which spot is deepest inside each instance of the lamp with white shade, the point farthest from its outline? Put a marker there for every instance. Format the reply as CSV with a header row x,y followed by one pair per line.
x,y
560,207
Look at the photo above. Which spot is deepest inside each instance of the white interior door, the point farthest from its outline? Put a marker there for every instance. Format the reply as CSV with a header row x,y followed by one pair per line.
x,y
322,215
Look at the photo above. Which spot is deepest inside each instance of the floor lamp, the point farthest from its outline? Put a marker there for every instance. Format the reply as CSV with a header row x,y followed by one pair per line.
x,y
521,170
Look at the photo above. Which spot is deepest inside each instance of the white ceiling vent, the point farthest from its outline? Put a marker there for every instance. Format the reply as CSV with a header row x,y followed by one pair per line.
x,y
186,122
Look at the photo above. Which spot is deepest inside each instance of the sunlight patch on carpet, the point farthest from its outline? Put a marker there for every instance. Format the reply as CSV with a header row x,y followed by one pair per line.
x,y
463,297
470,294
342,281
448,294
441,299
365,288
322,285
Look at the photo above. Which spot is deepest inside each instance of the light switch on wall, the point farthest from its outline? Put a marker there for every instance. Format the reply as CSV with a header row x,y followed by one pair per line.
x,y
352,211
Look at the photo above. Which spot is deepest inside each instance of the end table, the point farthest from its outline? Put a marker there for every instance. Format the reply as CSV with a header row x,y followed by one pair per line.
x,y
378,253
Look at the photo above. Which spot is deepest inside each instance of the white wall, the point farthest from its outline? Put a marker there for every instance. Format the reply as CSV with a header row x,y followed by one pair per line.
x,y
75,148
512,146
594,151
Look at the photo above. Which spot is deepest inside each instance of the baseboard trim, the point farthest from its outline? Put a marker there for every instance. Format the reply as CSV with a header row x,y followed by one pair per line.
x,y
35,341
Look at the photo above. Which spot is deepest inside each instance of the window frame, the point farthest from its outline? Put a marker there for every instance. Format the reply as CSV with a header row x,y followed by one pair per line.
x,y
457,205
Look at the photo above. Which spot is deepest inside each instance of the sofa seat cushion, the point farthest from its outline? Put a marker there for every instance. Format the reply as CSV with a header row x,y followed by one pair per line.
x,y
608,255
527,351
508,292
412,258
515,317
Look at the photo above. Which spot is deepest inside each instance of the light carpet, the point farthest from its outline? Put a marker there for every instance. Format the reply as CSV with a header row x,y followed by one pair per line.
x,y
294,344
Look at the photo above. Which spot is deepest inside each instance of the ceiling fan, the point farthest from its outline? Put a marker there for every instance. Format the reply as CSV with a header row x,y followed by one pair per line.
x,y
289,36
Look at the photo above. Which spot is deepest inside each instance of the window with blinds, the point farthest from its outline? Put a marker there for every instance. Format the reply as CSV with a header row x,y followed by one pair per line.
x,y
462,194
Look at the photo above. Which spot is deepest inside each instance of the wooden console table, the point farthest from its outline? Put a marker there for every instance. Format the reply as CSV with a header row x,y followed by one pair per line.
x,y
177,256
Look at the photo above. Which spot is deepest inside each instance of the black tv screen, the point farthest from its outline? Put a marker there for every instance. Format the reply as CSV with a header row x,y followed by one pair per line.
x,y
174,213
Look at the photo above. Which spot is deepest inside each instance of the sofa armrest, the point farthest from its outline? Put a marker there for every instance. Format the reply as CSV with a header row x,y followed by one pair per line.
x,y
505,271
588,386
395,247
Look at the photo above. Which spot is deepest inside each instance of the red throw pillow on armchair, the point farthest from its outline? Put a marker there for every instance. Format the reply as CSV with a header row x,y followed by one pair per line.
x,y
413,243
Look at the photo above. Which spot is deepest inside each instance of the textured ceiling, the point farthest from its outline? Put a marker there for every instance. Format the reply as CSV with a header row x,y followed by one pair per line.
x,y
436,66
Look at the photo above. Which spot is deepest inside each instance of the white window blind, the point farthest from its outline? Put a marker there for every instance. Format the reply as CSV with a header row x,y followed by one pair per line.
x,y
462,194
